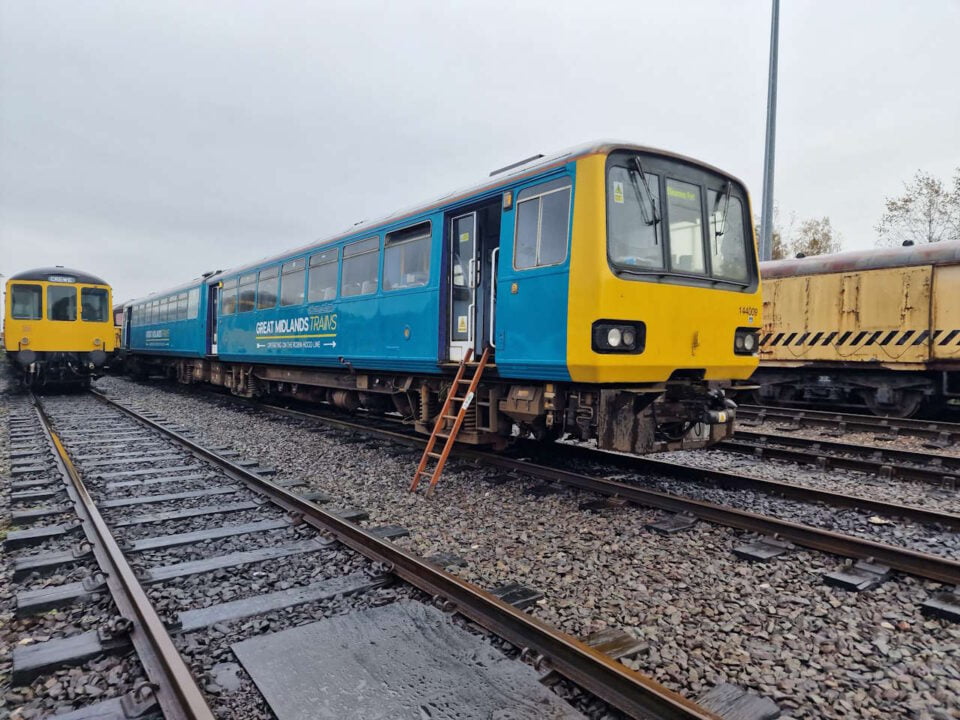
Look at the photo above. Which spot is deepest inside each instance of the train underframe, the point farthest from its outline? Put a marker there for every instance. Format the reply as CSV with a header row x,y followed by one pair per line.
x,y
673,416
56,369
884,392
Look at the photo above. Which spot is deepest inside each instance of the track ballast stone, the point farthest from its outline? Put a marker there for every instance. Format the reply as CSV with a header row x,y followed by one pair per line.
x,y
705,616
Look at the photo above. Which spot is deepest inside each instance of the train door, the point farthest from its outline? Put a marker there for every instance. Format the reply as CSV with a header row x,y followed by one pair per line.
x,y
125,331
474,240
213,317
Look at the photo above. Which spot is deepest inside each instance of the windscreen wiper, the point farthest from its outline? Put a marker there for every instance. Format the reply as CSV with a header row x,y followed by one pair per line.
x,y
654,217
721,222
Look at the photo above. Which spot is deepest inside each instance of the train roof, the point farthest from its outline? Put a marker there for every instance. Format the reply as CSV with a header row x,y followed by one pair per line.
x,y
940,253
497,179
59,272
196,282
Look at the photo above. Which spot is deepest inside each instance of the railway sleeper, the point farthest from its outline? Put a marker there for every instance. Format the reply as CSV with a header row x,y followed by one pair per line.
x,y
860,576
32,661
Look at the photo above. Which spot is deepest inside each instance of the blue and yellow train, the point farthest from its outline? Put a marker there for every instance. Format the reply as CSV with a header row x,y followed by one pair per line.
x,y
616,286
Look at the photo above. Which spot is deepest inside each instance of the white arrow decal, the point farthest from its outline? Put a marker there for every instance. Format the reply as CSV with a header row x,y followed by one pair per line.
x,y
332,343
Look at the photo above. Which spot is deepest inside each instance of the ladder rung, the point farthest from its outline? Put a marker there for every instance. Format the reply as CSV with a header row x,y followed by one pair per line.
x,y
435,455
465,382
450,417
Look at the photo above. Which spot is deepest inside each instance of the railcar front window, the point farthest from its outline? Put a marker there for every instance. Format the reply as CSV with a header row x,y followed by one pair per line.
x,y
686,227
93,304
25,302
406,258
61,303
728,250
632,229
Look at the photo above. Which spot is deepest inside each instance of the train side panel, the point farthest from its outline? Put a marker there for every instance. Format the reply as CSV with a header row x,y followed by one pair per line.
x,y
532,303
877,316
946,313
178,336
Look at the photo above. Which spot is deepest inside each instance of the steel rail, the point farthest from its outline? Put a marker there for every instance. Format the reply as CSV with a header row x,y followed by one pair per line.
x,y
175,688
631,692
932,468
793,491
912,562
945,431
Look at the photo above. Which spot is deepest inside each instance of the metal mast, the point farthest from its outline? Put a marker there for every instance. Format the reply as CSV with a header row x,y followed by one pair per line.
x,y
766,218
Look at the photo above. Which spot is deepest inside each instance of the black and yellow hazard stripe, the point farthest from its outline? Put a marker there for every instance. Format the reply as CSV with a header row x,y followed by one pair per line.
x,y
863,338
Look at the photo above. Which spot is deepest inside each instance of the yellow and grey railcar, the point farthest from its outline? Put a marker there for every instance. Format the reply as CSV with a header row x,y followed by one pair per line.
x,y
58,326
879,328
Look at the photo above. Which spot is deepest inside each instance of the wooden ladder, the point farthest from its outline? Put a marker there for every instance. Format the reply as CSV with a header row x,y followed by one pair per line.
x,y
442,428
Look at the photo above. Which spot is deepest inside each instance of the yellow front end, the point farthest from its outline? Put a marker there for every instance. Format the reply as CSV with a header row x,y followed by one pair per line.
x,y
688,328
43,334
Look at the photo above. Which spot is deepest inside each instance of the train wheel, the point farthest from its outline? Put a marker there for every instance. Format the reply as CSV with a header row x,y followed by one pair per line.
x,y
903,404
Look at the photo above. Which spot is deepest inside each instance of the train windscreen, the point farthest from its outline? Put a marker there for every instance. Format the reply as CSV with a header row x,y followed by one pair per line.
x,y
668,219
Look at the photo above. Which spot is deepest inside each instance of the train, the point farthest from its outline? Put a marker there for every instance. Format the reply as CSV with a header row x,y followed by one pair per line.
x,y
58,328
615,288
875,329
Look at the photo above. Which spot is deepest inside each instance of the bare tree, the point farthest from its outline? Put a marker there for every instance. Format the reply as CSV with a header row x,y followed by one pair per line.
x,y
779,244
926,212
815,237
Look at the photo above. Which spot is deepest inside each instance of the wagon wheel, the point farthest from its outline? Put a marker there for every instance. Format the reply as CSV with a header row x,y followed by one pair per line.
x,y
906,404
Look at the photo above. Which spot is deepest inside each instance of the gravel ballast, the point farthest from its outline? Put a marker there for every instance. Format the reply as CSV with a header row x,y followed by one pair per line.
x,y
705,616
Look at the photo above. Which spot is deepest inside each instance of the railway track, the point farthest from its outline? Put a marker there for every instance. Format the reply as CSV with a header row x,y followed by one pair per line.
x,y
921,564
941,434
170,524
936,469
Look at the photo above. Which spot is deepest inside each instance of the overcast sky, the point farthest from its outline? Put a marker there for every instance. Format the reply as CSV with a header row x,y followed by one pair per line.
x,y
148,142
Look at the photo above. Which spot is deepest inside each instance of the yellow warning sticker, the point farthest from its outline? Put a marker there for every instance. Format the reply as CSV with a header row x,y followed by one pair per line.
x,y
618,192
465,237
461,323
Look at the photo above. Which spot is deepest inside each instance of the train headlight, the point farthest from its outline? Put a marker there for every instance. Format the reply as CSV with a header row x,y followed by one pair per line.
x,y
97,342
25,341
614,336
745,341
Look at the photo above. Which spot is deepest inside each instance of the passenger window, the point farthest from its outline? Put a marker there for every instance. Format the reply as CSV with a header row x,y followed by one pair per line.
x,y
61,303
25,302
93,305
193,303
268,287
165,310
291,282
406,258
247,293
182,306
155,311
543,225
361,262
686,227
323,276
228,297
